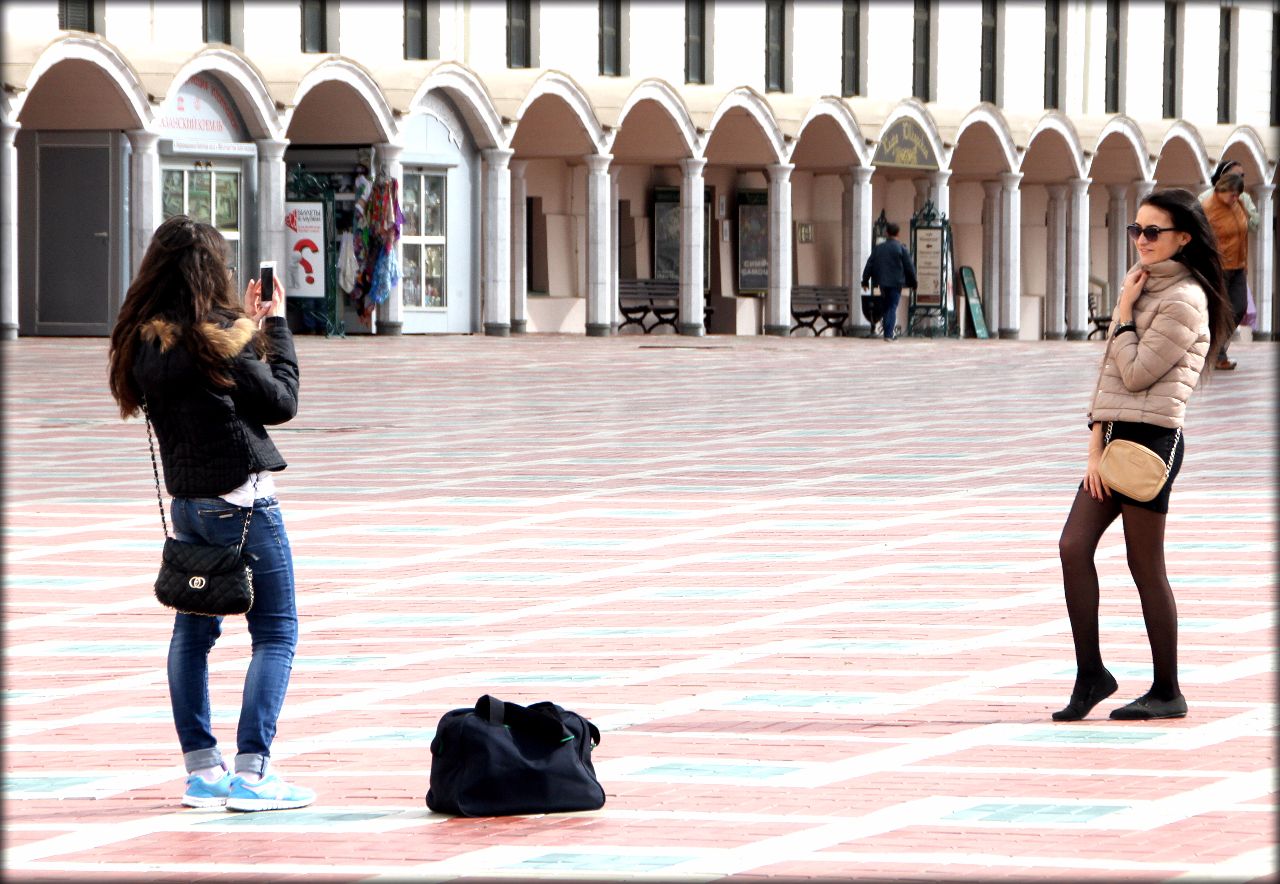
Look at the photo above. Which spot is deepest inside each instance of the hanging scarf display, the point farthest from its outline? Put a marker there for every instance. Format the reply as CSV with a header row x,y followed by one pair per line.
x,y
377,232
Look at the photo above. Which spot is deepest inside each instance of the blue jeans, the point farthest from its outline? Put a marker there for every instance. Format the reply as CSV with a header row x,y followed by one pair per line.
x,y
273,628
891,296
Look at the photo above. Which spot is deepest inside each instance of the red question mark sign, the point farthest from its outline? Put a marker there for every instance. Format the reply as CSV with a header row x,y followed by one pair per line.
x,y
300,246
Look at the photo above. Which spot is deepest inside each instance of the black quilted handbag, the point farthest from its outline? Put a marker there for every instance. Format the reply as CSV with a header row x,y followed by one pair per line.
x,y
499,759
199,578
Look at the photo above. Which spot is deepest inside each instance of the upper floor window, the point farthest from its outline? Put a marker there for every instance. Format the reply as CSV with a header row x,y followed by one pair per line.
x,y
695,41
775,46
610,38
1112,97
319,25
1275,68
217,21
1052,52
990,47
1172,51
75,15
519,34
851,49
1226,84
922,51
417,29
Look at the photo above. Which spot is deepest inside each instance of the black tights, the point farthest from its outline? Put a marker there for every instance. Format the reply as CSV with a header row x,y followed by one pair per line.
x,y
1144,545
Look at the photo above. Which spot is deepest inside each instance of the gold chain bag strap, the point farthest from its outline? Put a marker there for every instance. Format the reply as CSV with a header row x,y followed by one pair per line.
x,y
199,578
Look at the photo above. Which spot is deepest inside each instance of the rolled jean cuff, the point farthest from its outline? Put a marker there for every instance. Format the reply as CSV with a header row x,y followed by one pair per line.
x,y
202,758
251,762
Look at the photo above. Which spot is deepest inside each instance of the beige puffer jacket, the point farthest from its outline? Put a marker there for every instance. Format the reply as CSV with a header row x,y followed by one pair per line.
x,y
1148,377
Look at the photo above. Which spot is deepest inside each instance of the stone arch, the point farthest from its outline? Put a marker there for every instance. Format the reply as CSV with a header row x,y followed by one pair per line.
x,y
558,85
749,103
348,74
1059,124
909,107
245,83
990,117
842,120
1244,145
65,57
660,94
470,97
1183,160
1120,135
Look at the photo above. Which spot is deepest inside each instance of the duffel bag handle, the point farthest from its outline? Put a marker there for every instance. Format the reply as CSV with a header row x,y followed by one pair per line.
x,y
543,723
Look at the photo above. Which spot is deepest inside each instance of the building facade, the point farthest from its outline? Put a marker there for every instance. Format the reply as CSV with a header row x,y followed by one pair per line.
x,y
550,157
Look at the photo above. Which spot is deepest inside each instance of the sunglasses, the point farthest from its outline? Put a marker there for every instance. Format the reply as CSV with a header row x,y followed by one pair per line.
x,y
1150,232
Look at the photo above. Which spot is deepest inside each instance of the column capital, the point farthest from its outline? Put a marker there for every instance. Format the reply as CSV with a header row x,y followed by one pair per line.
x,y
940,176
598,163
143,140
1262,192
518,168
693,166
1118,191
861,174
1079,184
992,188
1011,180
9,129
780,171
271,149
1057,191
389,152
498,157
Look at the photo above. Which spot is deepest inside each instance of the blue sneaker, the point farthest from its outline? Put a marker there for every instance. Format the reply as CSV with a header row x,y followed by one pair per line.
x,y
202,793
270,793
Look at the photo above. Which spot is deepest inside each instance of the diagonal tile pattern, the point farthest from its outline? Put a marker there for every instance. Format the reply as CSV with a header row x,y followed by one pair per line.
x,y
807,588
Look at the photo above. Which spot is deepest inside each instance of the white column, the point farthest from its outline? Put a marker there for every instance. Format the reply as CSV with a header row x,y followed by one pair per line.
x,y
1010,254
615,312
1078,260
391,311
693,242
599,246
8,232
991,247
1264,261
1141,188
519,248
1117,242
496,310
940,191
1055,300
777,308
922,195
144,193
271,199
857,248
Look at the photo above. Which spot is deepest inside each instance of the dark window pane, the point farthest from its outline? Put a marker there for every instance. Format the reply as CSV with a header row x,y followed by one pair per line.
x,y
1170,102
415,29
695,36
850,81
1224,65
775,46
75,15
1275,68
518,34
1052,31
1113,57
987,79
921,50
313,39
610,38
217,21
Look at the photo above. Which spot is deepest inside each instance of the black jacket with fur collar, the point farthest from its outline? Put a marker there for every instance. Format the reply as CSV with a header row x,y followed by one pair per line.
x,y
212,438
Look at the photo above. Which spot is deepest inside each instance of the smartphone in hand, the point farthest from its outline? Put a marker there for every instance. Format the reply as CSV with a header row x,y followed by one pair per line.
x,y
267,275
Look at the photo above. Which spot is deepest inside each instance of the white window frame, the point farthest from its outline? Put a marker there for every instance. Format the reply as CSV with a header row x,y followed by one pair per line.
x,y
233,237
423,240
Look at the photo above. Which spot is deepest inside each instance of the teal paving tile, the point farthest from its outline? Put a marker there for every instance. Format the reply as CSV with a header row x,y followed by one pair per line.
x,y
16,581
713,770
891,647
800,700
1101,736
104,649
598,862
403,620
549,677
516,579
317,819
416,736
337,662
43,785
1035,814
695,593
1191,624
913,605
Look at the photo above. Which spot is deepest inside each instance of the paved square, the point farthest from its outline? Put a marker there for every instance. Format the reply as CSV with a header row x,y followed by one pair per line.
x,y
807,588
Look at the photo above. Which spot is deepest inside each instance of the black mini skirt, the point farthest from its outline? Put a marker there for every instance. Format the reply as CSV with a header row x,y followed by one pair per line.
x,y
1160,440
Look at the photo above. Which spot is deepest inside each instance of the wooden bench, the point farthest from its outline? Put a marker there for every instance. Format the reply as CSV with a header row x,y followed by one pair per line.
x,y
819,308
652,303
1101,321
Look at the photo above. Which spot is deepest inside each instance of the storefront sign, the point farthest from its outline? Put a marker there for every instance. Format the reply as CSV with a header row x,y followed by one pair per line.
x,y
904,145
201,110
304,237
213,148
753,241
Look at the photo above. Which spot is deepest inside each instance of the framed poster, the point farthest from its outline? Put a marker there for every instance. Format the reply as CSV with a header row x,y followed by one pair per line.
x,y
928,258
666,234
304,265
753,242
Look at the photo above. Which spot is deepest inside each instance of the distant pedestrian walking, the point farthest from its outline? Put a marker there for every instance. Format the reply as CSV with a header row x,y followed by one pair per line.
x,y
891,269
1230,220
1172,313
209,379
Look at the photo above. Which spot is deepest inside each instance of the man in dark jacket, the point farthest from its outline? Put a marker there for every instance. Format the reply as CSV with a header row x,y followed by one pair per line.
x,y
891,268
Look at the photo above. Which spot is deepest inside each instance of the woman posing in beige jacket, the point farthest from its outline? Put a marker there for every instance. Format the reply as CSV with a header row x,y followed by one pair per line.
x,y
1172,313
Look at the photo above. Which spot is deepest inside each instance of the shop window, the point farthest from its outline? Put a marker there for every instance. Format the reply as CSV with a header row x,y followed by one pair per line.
x,y
519,34
424,240
775,46
217,21
1225,58
1052,50
1112,96
205,194
922,51
610,38
421,20
988,75
77,15
695,41
851,49
319,25
1172,51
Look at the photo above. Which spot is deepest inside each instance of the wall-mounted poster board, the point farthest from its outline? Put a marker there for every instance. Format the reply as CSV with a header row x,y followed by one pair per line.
x,y
929,272
753,242
666,234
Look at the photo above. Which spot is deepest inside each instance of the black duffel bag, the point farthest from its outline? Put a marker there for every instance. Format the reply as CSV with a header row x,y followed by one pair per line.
x,y
500,759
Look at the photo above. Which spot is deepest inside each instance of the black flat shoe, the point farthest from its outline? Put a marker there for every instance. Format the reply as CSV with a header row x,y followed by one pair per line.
x,y
1147,706
1082,703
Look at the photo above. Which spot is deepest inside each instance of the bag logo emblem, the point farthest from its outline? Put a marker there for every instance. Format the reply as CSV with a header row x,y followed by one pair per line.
x,y
196,583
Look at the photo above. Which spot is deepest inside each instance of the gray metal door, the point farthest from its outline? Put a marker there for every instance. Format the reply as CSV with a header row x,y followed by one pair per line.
x,y
73,241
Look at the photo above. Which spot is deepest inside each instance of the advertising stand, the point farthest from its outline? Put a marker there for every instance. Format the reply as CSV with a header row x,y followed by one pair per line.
x,y
930,312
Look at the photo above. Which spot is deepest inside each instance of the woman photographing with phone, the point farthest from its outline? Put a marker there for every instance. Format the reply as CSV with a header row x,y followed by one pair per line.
x,y
1172,313
210,373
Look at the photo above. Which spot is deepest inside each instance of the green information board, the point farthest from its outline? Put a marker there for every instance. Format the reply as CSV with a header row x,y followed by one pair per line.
x,y
970,285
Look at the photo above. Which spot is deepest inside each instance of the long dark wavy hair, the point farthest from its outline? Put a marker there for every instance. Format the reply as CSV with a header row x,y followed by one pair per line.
x,y
184,280
1200,255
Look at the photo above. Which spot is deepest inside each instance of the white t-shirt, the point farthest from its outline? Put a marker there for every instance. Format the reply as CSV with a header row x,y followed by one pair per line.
x,y
246,493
